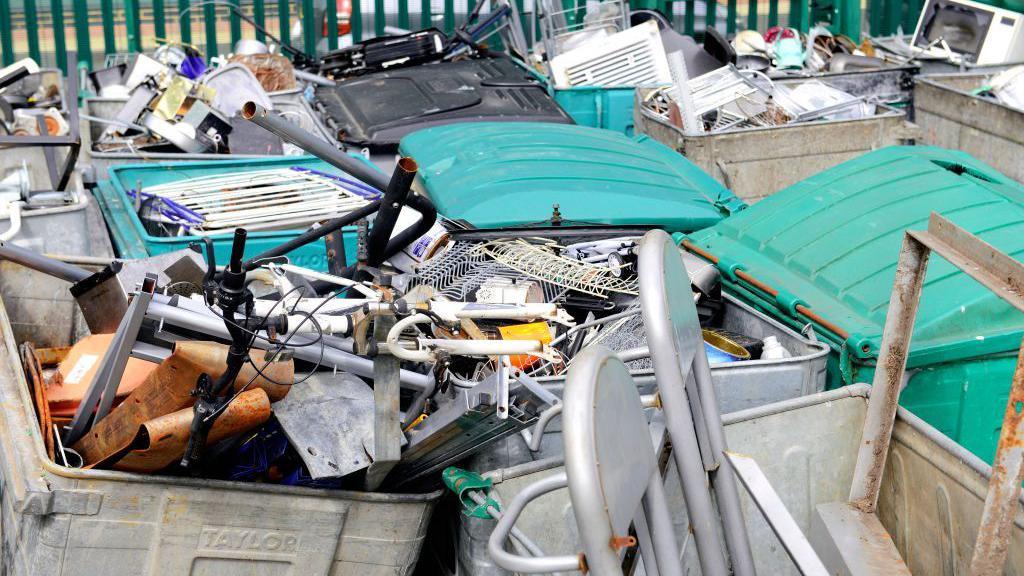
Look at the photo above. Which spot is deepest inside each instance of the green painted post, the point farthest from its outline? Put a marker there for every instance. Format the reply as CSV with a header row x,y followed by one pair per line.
x,y
284,8
109,32
403,14
449,16
83,40
184,21
875,8
309,27
132,19
894,9
6,40
210,25
259,14
159,20
752,23
332,25
32,28
357,21
425,15
689,19
59,43
913,13
773,13
798,15
379,18
730,26
236,23
711,13
850,18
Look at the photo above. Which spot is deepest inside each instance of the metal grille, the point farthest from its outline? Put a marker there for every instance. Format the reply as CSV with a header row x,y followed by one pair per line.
x,y
634,57
623,335
261,199
461,270
542,264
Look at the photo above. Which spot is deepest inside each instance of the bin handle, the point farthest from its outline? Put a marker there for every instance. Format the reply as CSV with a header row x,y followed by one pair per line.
x,y
524,564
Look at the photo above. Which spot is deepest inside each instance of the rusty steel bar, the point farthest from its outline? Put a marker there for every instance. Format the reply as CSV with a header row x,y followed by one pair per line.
x,y
1001,503
773,292
995,270
892,363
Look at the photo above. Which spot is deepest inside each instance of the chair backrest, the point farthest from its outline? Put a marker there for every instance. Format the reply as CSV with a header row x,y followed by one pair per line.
x,y
691,409
609,456
670,319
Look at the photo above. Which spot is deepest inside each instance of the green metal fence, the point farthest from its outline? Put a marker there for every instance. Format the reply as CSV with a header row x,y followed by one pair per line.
x,y
46,29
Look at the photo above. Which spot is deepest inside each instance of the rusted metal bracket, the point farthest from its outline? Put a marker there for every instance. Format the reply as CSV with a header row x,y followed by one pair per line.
x,y
1005,277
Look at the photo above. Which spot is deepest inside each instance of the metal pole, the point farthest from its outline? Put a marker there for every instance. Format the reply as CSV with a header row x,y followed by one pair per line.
x,y
659,523
1001,503
161,310
291,133
40,263
723,480
892,362
387,431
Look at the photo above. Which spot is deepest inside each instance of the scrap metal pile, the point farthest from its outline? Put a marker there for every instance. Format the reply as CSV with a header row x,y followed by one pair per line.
x,y
172,102
31,101
729,98
374,376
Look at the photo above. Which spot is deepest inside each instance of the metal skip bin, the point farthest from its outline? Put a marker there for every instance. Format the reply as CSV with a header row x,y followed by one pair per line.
x,y
59,520
952,116
824,252
757,162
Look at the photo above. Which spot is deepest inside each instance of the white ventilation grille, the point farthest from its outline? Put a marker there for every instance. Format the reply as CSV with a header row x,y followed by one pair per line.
x,y
633,57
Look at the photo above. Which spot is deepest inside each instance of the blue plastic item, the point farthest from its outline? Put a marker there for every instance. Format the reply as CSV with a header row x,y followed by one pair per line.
x,y
608,108
115,197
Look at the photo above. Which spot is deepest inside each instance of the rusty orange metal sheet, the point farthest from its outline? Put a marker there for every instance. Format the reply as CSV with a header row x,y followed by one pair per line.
x,y
169,389
161,441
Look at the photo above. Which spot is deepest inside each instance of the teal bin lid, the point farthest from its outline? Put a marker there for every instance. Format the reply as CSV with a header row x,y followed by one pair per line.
x,y
831,243
512,173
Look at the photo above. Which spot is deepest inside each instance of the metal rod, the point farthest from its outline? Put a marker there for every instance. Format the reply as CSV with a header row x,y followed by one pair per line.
x,y
892,363
775,512
390,205
723,481
291,133
208,323
40,263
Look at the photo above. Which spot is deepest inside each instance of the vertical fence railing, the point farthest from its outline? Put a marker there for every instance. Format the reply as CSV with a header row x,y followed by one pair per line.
x,y
27,28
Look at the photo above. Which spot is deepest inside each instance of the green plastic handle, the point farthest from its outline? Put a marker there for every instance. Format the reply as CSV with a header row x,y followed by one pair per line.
x,y
461,482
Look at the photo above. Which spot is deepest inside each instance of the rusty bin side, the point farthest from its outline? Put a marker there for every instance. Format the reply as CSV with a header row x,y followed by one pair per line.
x,y
57,520
951,116
755,163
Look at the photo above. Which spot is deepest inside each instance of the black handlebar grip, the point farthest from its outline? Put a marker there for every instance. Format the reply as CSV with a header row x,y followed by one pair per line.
x,y
237,249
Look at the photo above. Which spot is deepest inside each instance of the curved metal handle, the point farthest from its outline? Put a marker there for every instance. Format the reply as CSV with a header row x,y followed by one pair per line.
x,y
534,438
523,564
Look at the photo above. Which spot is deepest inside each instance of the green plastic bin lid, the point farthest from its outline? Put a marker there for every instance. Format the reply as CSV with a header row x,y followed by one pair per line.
x,y
831,242
511,174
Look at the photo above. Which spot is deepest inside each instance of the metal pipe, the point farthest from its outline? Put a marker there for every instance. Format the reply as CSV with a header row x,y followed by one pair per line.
x,y
742,275
428,213
723,480
161,310
536,565
662,531
313,235
390,205
40,263
291,133
313,78
892,362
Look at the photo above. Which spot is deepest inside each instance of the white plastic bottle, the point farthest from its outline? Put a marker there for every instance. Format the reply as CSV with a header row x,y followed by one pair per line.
x,y
773,350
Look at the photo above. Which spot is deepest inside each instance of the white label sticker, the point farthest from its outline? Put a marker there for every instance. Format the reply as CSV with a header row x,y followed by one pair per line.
x,y
78,371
